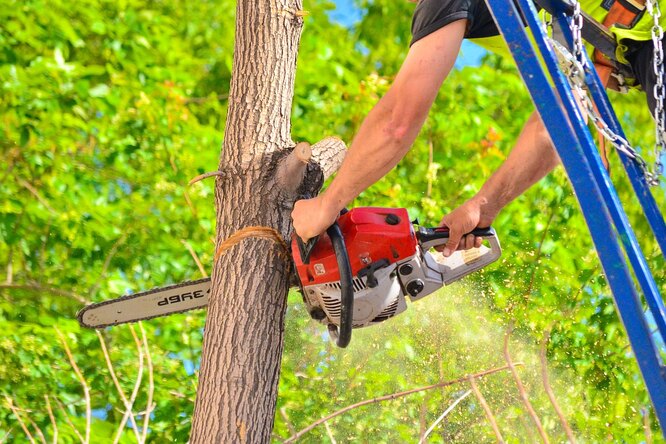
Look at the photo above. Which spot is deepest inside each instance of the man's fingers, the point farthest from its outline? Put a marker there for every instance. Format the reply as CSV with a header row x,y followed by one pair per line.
x,y
467,242
452,244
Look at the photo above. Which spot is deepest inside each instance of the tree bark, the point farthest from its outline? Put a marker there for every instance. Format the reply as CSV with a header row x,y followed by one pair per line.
x,y
243,337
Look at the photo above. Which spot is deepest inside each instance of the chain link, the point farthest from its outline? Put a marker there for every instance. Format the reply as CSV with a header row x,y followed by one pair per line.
x,y
574,66
659,89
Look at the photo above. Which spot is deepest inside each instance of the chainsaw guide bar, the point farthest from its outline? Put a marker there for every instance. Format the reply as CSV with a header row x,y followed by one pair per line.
x,y
177,298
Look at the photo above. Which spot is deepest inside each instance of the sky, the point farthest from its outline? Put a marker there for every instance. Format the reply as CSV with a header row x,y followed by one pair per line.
x,y
346,13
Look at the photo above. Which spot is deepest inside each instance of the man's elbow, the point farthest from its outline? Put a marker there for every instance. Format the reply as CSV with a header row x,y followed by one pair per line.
x,y
404,126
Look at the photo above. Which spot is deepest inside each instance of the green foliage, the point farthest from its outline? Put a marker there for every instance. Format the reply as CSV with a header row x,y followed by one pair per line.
x,y
109,108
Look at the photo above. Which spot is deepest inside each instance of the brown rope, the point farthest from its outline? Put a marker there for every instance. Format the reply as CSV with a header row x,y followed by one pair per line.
x,y
255,232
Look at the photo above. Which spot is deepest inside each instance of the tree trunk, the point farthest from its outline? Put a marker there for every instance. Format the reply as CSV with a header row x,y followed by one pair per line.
x,y
243,337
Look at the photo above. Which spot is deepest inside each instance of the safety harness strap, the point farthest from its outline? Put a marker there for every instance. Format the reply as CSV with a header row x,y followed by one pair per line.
x,y
625,13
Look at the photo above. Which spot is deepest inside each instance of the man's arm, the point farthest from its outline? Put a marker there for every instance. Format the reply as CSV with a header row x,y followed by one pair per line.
x,y
530,160
388,131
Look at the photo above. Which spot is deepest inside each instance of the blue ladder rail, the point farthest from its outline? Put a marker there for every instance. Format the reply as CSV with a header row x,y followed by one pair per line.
x,y
600,205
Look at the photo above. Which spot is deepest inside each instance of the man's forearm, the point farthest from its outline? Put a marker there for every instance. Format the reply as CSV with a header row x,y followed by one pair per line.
x,y
380,143
531,159
391,127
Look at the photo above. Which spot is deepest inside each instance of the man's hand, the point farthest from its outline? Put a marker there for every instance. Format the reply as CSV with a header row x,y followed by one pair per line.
x,y
312,217
470,215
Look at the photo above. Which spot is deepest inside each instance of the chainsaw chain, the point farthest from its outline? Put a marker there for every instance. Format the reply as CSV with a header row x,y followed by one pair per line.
x,y
79,315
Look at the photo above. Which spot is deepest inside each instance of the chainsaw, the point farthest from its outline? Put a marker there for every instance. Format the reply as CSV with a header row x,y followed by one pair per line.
x,y
359,273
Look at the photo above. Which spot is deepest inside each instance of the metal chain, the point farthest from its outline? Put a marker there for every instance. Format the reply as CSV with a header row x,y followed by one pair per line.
x,y
574,66
659,88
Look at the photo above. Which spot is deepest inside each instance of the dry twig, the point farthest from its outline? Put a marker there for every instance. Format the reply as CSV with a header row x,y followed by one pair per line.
x,y
549,389
45,289
151,384
107,262
35,193
135,391
39,432
52,418
84,384
69,421
486,410
329,432
119,389
203,176
195,257
645,413
521,389
422,415
10,404
537,258
395,396
287,421
443,415
8,433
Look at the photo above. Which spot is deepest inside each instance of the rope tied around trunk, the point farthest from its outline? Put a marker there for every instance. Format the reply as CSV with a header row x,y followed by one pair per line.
x,y
260,232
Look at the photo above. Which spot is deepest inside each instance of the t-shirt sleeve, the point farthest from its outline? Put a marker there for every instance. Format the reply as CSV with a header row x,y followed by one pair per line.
x,y
431,15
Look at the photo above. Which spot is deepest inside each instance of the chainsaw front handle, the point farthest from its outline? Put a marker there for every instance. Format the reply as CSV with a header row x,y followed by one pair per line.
x,y
462,262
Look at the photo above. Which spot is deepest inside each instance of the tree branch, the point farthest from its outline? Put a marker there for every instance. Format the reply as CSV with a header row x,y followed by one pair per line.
x,y
549,389
521,389
395,396
84,384
329,154
486,410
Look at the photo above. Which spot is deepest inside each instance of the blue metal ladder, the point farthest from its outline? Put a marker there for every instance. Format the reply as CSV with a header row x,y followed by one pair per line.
x,y
614,239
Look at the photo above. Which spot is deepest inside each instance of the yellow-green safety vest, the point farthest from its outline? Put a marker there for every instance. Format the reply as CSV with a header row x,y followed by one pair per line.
x,y
640,32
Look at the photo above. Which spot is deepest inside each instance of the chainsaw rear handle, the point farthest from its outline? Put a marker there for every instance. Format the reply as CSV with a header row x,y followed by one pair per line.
x,y
346,283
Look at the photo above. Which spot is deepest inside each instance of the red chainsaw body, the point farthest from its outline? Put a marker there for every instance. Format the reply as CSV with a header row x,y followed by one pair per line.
x,y
371,234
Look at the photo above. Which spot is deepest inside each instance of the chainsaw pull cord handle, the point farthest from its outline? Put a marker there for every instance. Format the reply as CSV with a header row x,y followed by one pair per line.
x,y
346,284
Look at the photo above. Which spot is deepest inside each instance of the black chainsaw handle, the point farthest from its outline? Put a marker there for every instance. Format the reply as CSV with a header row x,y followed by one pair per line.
x,y
431,237
346,284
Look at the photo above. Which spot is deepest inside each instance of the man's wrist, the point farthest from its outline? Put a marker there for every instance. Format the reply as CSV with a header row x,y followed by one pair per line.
x,y
488,208
330,204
